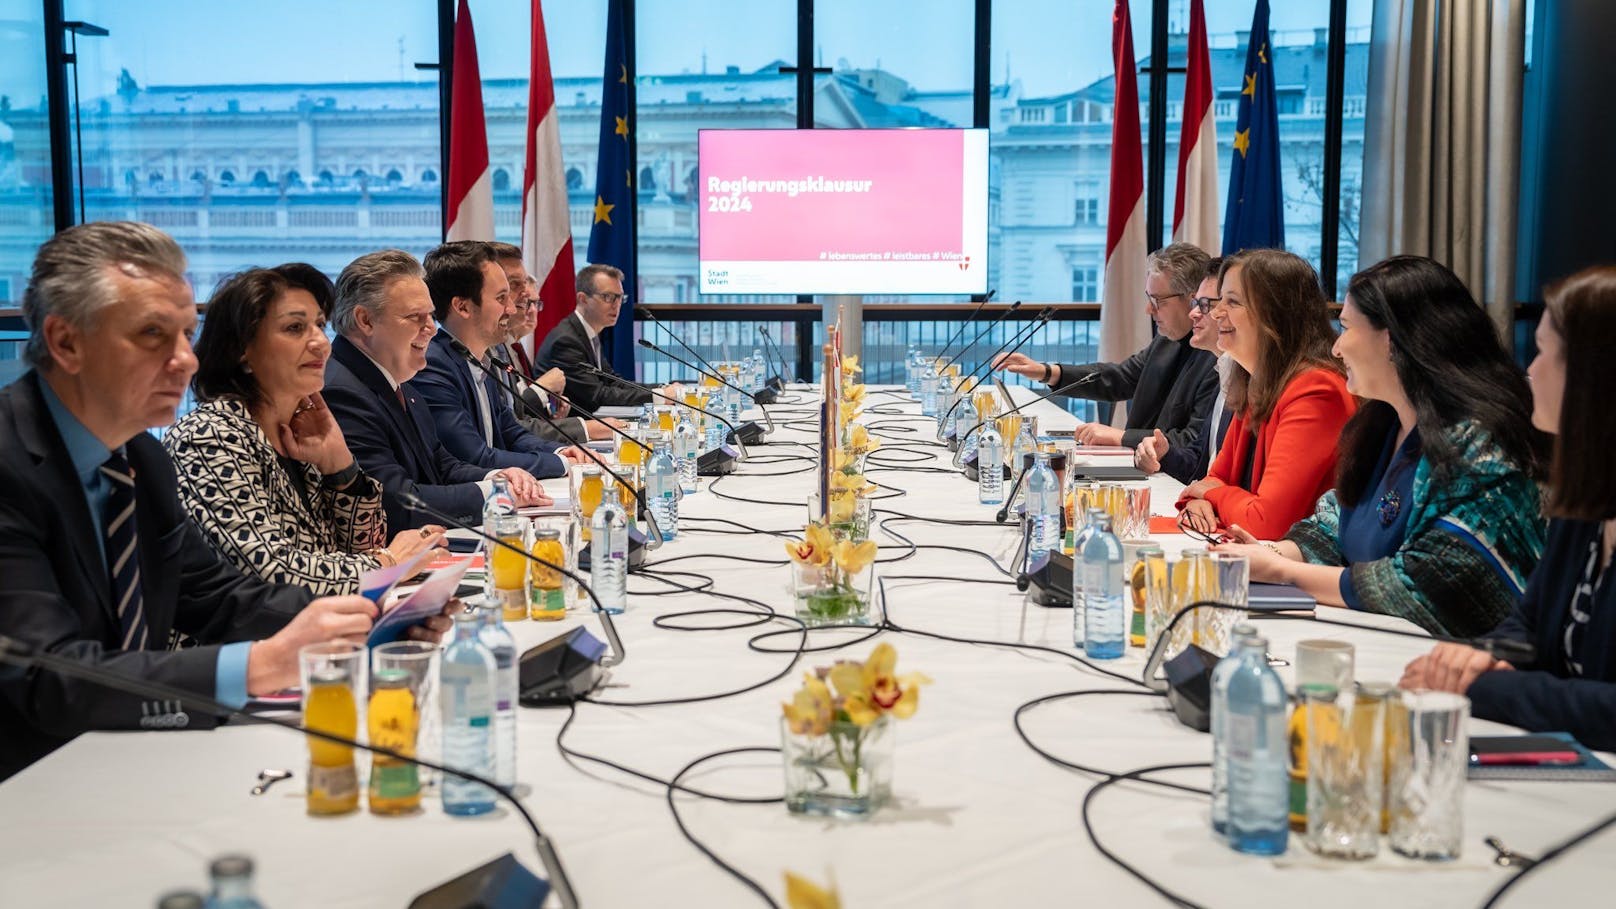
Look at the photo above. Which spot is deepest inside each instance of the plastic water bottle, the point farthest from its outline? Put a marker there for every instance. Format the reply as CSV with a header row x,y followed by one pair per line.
x,y
1105,621
232,883
928,390
466,696
1043,506
989,469
662,486
760,369
498,508
497,638
732,405
1079,613
686,449
911,370
608,554
1220,709
1254,746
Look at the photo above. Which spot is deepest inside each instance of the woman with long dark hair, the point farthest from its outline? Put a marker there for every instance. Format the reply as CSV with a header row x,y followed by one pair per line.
x,y
1434,516
1286,392
1568,613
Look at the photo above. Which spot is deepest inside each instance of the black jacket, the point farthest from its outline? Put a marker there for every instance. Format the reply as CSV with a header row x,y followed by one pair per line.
x,y
55,591
1544,696
1188,463
567,348
1168,386
400,452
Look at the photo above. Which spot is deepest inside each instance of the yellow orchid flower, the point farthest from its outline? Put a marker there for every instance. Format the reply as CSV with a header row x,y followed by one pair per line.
x,y
811,708
842,506
852,557
850,365
853,395
860,440
846,480
814,548
802,893
870,689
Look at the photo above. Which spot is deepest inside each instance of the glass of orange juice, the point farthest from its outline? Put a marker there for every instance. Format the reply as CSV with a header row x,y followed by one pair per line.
x,y
587,494
508,568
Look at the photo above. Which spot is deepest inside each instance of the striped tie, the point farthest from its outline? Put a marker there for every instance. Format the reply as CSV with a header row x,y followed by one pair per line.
x,y
123,551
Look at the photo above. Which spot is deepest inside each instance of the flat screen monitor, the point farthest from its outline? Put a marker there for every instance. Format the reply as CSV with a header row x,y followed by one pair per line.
x,y
843,211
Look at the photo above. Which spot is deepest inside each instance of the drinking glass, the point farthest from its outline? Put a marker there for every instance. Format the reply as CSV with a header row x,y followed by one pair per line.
x,y
1345,770
1322,662
1429,752
420,660
1232,577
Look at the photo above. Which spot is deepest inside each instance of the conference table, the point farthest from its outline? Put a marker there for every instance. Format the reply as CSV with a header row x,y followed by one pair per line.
x,y
977,817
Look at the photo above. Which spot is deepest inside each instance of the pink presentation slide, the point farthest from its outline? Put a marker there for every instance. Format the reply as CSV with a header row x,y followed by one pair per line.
x,y
857,211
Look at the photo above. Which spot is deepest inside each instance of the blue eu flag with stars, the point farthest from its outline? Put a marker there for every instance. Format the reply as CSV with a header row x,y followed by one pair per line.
x,y
611,238
1256,214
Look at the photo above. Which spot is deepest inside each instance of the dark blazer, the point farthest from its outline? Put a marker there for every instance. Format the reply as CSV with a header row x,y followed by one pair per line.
x,y
1168,386
1189,463
567,430
1544,696
445,384
55,592
401,451
567,348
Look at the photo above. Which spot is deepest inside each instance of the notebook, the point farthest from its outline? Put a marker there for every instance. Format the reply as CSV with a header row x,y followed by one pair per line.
x,y
1590,769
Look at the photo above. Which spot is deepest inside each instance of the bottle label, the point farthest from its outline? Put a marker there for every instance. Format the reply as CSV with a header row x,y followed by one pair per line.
x,y
1241,735
392,780
333,783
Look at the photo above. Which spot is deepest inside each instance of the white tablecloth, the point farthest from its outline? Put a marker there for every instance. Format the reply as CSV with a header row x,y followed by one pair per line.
x,y
978,819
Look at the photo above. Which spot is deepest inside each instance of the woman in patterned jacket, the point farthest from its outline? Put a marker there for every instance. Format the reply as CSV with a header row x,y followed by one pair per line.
x,y
1435,514
263,467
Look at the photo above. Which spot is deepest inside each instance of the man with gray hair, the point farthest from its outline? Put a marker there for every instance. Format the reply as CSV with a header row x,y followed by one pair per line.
x,y
383,316
99,563
1169,385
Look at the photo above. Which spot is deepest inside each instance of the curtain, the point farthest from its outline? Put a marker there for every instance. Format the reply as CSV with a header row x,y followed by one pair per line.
x,y
1442,140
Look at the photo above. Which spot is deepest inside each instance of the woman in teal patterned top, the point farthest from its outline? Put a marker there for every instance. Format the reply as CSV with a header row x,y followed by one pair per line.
x,y
1435,516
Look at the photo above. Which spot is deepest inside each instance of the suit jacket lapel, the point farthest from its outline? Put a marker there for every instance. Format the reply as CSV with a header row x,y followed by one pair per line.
x,y
56,477
408,427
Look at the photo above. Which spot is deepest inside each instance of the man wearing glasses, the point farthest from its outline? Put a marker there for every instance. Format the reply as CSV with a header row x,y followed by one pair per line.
x,y
574,345
537,391
1169,386
1188,463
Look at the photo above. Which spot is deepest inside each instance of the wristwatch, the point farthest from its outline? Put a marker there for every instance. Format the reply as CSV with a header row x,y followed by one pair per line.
x,y
343,478
1048,371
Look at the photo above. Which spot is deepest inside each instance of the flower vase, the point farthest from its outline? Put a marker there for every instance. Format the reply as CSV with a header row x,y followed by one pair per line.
x,y
844,772
828,595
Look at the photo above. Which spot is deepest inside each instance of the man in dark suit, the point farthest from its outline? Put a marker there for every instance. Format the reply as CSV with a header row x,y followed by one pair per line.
x,y
98,562
383,316
573,346
1168,385
1191,462
471,299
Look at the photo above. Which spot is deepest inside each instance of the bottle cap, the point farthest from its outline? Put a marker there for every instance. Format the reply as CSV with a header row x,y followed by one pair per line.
x,y
390,678
233,865
181,899
329,675
546,533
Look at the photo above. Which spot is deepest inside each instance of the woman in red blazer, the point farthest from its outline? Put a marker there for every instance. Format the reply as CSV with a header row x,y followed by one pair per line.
x,y
1288,395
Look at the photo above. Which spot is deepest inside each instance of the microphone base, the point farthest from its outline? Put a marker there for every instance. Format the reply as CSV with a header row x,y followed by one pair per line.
x,y
561,670
1049,582
775,384
1189,687
501,882
636,550
750,433
952,441
717,462
766,395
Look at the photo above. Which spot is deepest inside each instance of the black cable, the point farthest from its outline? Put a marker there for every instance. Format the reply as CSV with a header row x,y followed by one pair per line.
x,y
1576,840
571,755
1113,858
1015,721
712,856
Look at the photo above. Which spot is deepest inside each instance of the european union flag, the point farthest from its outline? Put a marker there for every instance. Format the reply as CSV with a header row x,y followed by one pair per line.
x,y
1256,213
611,238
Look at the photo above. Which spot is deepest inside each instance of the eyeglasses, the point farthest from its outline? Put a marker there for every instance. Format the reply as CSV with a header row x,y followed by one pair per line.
x,y
608,297
1203,305
1155,302
1195,528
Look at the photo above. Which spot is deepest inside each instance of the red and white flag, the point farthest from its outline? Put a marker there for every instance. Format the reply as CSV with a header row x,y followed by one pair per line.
x,y
1124,325
471,192
1195,205
546,231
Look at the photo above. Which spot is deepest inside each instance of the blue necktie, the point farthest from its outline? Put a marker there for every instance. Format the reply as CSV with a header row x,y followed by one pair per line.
x,y
123,551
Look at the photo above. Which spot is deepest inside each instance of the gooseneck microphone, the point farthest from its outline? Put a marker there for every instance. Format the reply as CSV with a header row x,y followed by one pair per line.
x,y
983,333
785,365
968,320
1020,337
688,365
678,340
610,627
654,538
734,433
25,656
959,456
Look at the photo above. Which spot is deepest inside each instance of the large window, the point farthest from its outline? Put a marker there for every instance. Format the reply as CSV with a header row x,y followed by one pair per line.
x,y
701,66
262,133
1050,116
25,168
